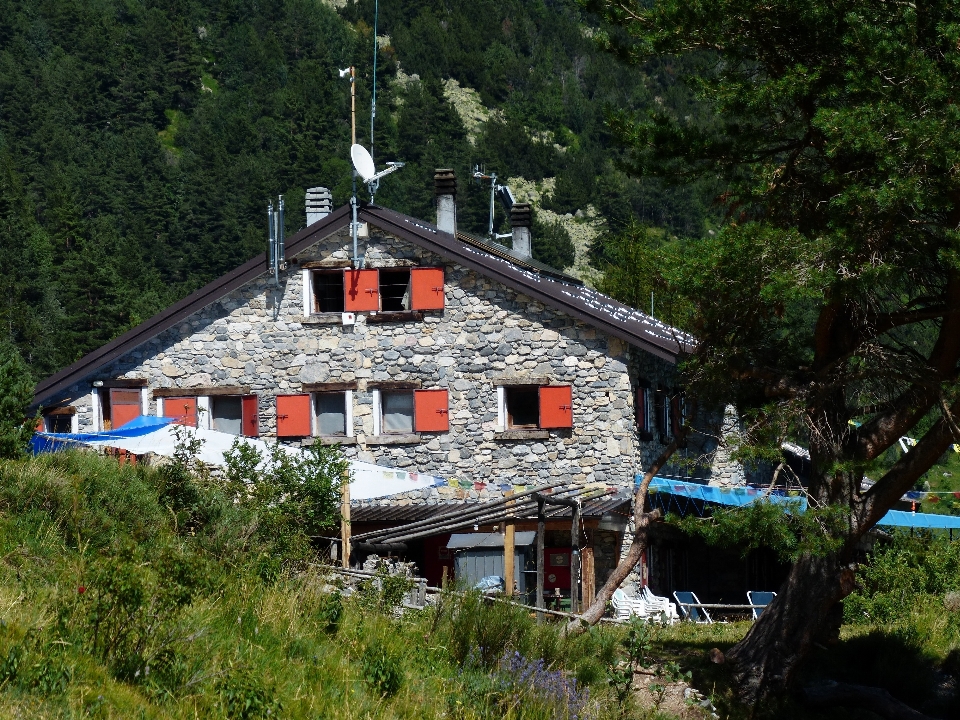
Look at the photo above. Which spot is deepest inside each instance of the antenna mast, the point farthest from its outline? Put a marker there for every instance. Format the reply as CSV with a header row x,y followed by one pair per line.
x,y
373,100
495,188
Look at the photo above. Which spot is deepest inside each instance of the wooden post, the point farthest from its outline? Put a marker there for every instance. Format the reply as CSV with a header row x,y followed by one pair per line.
x,y
345,523
509,551
589,578
575,561
541,530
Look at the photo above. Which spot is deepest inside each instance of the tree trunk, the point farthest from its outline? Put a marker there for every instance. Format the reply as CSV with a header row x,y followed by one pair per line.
x,y
641,522
766,660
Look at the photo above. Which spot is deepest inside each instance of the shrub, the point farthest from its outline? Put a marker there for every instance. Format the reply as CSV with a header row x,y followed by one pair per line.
x,y
381,669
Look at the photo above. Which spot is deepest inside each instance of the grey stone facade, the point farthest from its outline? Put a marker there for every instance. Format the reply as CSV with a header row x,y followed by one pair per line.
x,y
487,334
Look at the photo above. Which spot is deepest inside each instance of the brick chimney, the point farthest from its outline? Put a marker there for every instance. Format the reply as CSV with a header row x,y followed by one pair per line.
x,y
521,218
319,204
445,185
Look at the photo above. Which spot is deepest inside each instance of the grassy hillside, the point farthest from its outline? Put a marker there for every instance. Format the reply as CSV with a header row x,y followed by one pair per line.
x,y
130,592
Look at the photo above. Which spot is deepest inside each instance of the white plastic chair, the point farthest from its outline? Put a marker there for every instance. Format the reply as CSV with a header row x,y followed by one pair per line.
x,y
657,605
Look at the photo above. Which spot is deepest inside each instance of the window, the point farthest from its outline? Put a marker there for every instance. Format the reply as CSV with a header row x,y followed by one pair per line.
x,y
400,412
60,420
325,413
523,407
226,414
395,290
331,413
328,291
530,407
375,290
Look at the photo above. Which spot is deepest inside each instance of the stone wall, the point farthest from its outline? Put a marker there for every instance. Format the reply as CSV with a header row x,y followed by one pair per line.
x,y
259,337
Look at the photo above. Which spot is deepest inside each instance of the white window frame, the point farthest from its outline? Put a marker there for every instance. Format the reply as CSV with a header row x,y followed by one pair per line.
x,y
159,407
347,415
649,410
203,412
501,408
144,400
377,411
307,292
96,406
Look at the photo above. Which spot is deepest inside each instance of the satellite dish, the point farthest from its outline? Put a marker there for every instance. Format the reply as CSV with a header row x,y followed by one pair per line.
x,y
362,162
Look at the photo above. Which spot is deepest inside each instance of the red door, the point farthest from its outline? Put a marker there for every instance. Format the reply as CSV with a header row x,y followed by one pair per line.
x,y
361,289
427,284
184,409
293,416
430,411
556,406
250,416
124,407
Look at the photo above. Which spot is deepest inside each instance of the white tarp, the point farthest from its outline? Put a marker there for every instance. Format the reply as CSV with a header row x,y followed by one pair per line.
x,y
368,481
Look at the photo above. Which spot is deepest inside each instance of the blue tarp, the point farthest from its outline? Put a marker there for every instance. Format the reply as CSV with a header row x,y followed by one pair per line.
x,y
44,442
740,496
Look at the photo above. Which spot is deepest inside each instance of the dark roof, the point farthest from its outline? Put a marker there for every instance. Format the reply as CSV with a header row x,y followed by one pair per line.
x,y
403,514
529,277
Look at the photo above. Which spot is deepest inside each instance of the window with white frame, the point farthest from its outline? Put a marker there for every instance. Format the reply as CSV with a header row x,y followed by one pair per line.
x,y
401,411
535,407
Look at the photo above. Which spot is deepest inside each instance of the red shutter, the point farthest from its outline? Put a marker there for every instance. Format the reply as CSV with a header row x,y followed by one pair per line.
x,y
427,284
250,416
293,416
361,290
430,411
556,406
124,407
642,409
184,409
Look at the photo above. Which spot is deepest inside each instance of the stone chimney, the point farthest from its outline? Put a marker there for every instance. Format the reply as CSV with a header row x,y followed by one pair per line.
x,y
521,218
319,204
445,185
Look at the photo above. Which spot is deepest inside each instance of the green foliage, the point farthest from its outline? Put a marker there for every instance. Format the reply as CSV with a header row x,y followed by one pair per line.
x,y
103,590
295,497
243,696
817,531
381,669
900,574
637,645
16,394
552,244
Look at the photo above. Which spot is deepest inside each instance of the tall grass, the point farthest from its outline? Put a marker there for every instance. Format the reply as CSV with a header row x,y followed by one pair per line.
x,y
124,595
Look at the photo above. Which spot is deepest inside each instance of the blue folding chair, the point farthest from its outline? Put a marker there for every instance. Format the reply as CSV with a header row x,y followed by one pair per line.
x,y
759,597
694,614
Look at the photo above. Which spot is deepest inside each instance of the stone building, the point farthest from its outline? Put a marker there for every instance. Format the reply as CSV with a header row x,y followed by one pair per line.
x,y
431,351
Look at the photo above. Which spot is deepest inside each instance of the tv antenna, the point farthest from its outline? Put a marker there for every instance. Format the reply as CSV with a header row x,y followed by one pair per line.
x,y
497,191
364,167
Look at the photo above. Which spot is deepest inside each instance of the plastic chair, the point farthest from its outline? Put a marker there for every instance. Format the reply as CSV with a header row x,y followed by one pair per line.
x,y
759,597
694,614
622,605
656,605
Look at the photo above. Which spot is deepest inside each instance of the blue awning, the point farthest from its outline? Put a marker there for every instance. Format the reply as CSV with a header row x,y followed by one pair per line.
x,y
740,496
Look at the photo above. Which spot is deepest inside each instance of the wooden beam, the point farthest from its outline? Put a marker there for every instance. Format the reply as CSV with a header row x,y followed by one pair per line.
x,y
589,577
201,391
328,386
345,524
575,561
541,530
509,549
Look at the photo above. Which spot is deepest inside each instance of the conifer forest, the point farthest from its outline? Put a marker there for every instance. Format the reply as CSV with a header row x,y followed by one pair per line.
x,y
140,142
